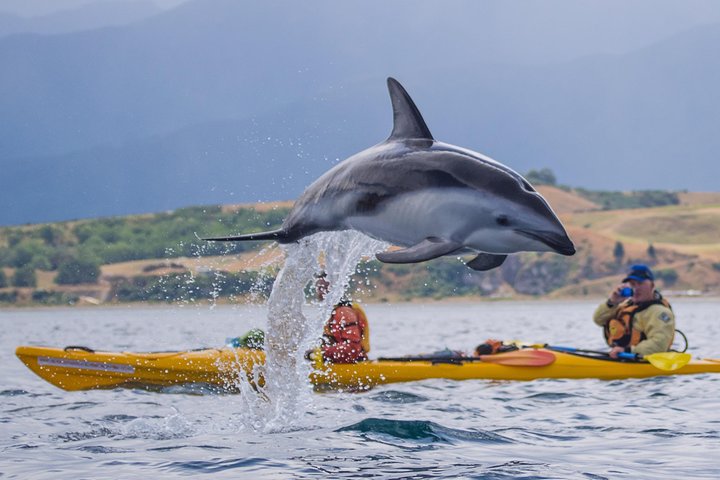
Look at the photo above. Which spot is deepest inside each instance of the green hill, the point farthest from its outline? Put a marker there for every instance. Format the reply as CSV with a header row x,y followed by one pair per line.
x,y
159,258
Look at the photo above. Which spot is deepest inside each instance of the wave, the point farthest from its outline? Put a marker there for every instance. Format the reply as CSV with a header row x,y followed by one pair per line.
x,y
396,396
422,430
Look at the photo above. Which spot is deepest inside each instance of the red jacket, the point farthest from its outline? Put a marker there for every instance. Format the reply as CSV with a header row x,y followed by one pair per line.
x,y
343,335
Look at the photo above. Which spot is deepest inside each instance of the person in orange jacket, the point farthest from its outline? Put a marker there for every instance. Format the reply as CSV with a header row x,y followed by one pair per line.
x,y
346,336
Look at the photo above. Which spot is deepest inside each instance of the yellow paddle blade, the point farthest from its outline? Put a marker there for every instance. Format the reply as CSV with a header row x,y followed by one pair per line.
x,y
668,360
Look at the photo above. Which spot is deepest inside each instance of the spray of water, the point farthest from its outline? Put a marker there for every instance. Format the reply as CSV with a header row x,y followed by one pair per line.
x,y
286,396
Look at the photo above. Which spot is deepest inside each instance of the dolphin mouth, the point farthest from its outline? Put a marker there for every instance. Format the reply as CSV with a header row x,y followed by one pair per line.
x,y
558,242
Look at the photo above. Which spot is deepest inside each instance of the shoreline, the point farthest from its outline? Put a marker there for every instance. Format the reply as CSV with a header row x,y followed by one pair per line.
x,y
415,301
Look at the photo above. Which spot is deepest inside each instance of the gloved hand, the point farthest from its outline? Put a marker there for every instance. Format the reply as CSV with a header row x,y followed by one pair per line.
x,y
490,347
312,354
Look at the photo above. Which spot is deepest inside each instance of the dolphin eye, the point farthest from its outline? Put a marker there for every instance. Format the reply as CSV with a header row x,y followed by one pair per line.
x,y
502,220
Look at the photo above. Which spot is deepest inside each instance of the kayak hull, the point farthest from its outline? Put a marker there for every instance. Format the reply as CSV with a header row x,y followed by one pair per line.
x,y
227,368
79,369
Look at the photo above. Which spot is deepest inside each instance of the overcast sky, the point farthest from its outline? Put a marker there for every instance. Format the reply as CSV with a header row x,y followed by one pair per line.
x,y
579,27
44,7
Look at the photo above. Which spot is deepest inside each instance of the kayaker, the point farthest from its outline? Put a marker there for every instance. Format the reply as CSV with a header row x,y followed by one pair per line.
x,y
253,338
346,336
636,318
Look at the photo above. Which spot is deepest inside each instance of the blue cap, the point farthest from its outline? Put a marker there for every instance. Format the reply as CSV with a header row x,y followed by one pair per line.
x,y
639,273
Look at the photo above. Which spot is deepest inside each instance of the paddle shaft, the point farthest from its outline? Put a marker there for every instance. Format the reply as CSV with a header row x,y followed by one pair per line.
x,y
432,359
667,361
623,355
517,358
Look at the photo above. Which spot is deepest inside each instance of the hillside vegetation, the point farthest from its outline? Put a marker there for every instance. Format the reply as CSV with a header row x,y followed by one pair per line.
x,y
159,257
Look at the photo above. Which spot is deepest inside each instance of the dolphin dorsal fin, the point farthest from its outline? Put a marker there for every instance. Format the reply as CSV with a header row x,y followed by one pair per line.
x,y
407,121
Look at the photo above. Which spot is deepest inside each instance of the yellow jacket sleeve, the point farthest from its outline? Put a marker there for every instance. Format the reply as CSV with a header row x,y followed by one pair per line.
x,y
658,325
604,314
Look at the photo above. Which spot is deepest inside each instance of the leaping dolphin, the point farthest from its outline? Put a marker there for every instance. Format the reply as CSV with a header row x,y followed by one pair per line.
x,y
430,197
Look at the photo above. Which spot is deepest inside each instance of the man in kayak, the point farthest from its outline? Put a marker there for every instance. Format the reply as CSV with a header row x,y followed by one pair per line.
x,y
636,318
346,336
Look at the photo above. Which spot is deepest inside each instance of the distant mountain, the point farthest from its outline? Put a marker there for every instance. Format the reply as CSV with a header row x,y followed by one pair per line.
x,y
221,101
84,17
208,60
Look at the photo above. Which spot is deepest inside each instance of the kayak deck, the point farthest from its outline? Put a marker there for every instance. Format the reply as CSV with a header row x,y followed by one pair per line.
x,y
75,368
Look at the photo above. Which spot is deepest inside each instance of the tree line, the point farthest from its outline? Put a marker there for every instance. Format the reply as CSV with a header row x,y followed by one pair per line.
x,y
76,250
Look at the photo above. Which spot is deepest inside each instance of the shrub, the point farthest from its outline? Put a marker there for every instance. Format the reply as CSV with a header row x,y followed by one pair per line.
x,y
8,297
74,272
618,252
188,287
544,176
47,297
668,275
637,199
24,277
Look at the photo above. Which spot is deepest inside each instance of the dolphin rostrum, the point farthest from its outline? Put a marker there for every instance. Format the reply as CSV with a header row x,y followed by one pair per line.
x,y
430,197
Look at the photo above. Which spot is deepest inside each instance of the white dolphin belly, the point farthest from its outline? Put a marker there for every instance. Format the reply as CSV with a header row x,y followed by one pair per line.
x,y
410,218
467,217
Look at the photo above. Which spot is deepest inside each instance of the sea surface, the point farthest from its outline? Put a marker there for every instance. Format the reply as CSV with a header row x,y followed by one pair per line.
x,y
665,427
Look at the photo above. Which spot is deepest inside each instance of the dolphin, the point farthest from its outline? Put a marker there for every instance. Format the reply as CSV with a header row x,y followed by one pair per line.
x,y
431,198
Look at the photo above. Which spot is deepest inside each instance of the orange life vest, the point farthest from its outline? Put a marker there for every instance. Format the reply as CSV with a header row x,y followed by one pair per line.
x,y
620,332
346,334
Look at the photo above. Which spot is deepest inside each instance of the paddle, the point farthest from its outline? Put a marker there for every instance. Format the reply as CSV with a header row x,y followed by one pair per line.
x,y
518,358
667,361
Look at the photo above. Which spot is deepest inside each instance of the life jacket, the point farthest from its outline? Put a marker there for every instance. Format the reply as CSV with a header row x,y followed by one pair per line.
x,y
346,334
620,331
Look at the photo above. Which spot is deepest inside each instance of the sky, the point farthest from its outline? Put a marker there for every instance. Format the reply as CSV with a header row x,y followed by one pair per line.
x,y
265,95
32,8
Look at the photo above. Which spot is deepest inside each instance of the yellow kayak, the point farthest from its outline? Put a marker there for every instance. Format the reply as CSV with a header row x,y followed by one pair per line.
x,y
79,368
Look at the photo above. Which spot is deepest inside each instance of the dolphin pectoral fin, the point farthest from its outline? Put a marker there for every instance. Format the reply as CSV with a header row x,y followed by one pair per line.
x,y
426,250
486,261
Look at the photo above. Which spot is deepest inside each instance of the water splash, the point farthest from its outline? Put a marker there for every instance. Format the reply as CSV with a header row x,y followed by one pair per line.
x,y
287,392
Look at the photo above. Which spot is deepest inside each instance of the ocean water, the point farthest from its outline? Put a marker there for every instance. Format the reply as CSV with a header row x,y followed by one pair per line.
x,y
665,427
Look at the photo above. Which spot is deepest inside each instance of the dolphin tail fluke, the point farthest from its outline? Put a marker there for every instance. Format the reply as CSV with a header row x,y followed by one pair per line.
x,y
278,235
407,121
426,250
486,261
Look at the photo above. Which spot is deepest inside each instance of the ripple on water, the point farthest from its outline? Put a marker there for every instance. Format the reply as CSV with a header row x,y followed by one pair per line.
x,y
399,397
421,431
118,418
180,447
102,449
174,426
672,433
411,466
13,393
216,465
78,436
552,396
